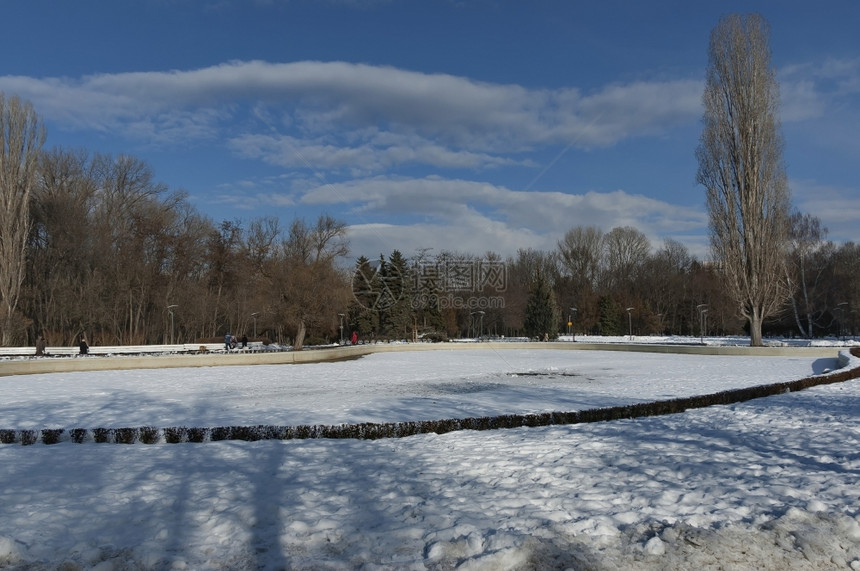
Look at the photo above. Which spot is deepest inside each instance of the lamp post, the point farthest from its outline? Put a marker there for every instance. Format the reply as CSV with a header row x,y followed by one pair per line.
x,y
851,319
570,328
170,311
341,327
703,310
841,308
254,317
630,322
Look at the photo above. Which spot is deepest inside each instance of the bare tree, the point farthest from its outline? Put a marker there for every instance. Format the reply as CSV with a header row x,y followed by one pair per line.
x,y
581,252
741,168
225,271
310,288
806,270
663,285
626,250
61,252
131,221
261,241
845,286
21,138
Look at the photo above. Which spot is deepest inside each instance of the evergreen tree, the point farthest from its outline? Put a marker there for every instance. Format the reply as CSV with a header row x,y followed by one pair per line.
x,y
363,312
395,306
608,321
541,317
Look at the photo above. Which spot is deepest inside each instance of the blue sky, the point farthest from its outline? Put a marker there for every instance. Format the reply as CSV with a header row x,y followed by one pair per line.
x,y
471,126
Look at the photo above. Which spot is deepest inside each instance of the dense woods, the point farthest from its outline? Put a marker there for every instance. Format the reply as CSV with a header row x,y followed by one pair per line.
x,y
115,256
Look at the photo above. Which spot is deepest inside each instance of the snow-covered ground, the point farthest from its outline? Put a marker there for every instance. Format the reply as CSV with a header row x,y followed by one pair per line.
x,y
769,484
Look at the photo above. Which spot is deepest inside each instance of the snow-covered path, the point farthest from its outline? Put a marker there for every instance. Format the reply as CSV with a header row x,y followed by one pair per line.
x,y
769,484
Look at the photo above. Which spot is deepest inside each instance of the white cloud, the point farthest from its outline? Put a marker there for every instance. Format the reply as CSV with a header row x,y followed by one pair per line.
x,y
799,100
621,111
477,238
811,90
251,201
484,216
837,207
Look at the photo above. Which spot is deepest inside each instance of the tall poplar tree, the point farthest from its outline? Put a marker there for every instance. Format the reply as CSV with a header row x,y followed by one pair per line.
x,y
741,168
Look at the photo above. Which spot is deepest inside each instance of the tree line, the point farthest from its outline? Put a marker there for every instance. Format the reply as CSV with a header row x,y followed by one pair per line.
x,y
114,256
601,283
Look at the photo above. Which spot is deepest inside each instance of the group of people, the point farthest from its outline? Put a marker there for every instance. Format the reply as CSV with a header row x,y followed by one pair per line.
x,y
230,341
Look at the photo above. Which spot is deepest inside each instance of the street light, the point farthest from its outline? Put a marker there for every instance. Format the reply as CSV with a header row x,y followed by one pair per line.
x,y
630,322
840,307
570,323
170,311
851,320
254,317
341,327
703,315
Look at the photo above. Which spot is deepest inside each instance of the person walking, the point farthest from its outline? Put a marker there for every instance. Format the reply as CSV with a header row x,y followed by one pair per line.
x,y
84,348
